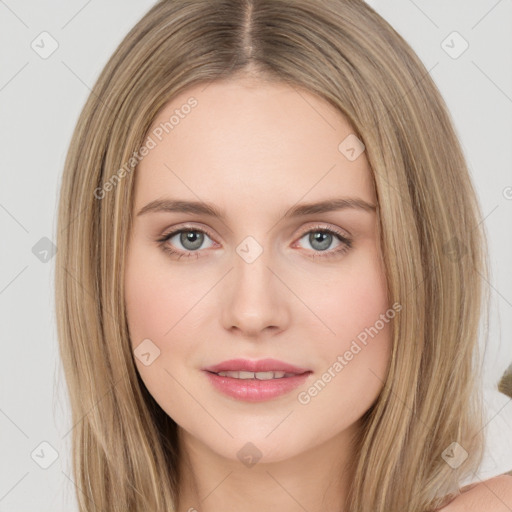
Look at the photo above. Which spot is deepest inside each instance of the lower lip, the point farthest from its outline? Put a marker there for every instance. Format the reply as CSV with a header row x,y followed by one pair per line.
x,y
254,390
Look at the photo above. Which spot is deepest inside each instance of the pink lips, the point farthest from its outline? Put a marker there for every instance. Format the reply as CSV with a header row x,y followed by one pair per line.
x,y
254,390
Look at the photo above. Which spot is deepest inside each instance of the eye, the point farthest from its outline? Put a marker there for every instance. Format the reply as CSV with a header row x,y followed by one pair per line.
x,y
321,238
191,239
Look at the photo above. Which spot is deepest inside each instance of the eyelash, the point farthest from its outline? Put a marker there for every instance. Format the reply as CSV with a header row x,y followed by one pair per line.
x,y
346,243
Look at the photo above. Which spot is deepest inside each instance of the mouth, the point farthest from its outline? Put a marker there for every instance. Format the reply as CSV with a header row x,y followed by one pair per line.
x,y
255,381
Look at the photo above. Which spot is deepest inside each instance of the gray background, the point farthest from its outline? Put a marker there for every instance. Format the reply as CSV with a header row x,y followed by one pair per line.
x,y
40,99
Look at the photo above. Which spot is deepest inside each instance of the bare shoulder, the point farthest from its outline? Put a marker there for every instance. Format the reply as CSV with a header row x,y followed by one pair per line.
x,y
493,495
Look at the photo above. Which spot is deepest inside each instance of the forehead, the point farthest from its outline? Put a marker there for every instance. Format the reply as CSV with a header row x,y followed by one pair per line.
x,y
240,141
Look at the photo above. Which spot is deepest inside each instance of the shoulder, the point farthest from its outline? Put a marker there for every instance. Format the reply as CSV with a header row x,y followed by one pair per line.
x,y
493,495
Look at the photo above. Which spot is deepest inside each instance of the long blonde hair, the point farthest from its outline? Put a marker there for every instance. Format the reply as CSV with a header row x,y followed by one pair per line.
x,y
125,449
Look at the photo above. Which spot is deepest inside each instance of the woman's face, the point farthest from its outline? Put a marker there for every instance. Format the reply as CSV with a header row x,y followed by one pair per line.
x,y
268,279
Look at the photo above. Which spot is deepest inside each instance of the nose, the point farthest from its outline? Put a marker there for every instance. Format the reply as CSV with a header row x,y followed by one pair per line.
x,y
253,298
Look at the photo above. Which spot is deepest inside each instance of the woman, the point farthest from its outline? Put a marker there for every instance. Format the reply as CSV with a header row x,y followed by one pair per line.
x,y
268,276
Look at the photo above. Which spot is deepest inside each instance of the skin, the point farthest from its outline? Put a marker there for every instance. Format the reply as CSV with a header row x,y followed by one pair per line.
x,y
493,495
255,149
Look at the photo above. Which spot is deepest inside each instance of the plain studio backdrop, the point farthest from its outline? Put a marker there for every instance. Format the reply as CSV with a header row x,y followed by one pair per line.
x,y
465,45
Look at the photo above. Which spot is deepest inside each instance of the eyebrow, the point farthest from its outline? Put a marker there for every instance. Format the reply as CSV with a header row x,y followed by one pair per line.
x,y
202,208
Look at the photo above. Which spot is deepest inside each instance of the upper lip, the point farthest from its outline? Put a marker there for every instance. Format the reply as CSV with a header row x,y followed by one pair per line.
x,y
262,365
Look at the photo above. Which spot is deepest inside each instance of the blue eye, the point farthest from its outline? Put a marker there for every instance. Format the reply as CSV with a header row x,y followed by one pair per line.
x,y
190,239
319,238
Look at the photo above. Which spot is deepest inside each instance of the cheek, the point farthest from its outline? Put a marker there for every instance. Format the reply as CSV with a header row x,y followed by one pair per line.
x,y
356,350
365,300
146,306
153,309
154,303
348,300
368,320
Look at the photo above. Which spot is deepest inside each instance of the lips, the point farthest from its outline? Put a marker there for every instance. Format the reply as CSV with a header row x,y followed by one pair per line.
x,y
262,365
253,389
